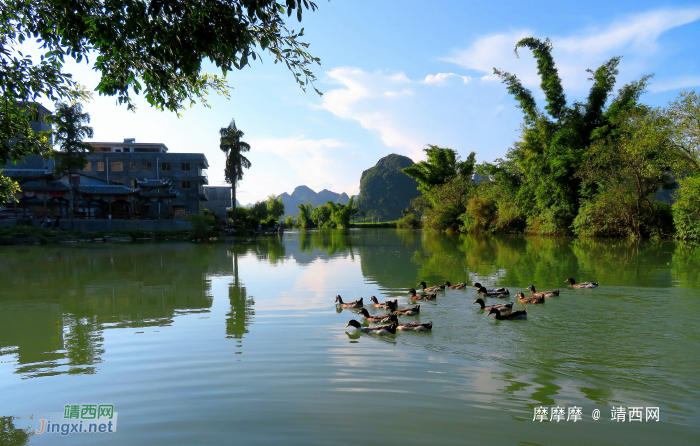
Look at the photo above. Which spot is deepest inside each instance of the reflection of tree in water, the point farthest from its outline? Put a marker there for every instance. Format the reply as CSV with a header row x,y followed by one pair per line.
x,y
240,316
57,326
332,241
11,435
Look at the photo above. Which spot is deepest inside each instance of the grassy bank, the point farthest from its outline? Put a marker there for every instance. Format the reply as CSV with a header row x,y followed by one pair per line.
x,y
30,235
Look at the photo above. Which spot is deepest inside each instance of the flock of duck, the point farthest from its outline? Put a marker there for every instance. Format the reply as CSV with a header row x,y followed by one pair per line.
x,y
391,319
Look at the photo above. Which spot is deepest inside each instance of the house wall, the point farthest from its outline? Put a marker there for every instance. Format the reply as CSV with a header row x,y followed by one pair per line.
x,y
191,197
219,200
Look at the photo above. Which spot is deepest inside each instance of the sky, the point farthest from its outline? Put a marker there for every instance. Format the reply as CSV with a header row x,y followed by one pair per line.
x,y
398,75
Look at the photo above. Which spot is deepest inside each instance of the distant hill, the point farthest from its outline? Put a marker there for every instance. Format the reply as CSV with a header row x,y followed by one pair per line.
x,y
304,194
386,190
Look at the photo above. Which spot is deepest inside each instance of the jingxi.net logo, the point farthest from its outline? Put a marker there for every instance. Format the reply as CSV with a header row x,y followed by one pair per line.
x,y
79,419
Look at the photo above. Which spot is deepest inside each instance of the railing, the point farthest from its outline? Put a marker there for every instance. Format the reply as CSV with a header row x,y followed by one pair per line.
x,y
203,177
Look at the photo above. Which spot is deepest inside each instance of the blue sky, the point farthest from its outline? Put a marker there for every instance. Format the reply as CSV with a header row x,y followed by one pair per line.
x,y
398,75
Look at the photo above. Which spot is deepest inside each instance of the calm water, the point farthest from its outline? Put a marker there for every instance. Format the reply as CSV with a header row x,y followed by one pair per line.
x,y
241,343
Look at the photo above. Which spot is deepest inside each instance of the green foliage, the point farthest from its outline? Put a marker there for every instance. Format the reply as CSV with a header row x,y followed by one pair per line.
x,y
233,147
202,227
628,166
8,189
686,209
684,114
442,165
275,207
69,129
289,221
539,172
385,190
304,219
408,221
138,46
443,205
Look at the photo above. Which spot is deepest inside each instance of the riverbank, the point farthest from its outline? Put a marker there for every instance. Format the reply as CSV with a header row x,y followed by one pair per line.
x,y
31,235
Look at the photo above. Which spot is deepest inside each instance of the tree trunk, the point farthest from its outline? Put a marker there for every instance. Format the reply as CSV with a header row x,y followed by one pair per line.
x,y
233,203
73,188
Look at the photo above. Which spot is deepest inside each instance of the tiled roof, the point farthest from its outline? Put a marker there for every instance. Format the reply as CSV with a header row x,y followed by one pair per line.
x,y
26,173
39,186
112,189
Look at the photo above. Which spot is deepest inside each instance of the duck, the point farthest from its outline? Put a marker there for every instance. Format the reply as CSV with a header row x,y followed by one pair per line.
x,y
521,314
427,289
408,311
486,293
534,299
385,304
477,285
416,326
500,307
573,283
354,304
554,293
415,296
378,318
459,286
373,329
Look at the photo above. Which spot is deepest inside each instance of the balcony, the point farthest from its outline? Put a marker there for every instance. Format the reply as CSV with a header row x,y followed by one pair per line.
x,y
203,178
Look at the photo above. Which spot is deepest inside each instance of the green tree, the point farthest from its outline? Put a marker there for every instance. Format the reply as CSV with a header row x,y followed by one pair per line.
x,y
684,114
628,166
275,207
70,128
442,164
321,215
686,209
233,147
305,214
154,48
540,169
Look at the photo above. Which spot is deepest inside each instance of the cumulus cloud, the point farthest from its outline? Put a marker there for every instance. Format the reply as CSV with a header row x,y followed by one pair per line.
x,y
635,36
442,78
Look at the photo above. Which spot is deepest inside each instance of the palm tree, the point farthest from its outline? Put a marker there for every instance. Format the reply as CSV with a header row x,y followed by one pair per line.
x,y
70,129
232,145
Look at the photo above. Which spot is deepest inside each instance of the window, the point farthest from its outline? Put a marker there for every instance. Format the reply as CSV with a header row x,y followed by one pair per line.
x,y
118,182
186,166
146,165
88,167
132,165
133,184
100,166
118,149
117,166
186,184
165,166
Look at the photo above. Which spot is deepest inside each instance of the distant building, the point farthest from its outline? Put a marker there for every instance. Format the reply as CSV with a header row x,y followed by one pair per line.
x,y
219,200
120,180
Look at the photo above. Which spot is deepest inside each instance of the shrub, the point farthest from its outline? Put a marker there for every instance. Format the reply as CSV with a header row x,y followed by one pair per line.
x,y
408,221
686,209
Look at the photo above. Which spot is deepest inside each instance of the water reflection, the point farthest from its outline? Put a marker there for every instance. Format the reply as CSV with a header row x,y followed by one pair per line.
x,y
57,302
241,314
11,435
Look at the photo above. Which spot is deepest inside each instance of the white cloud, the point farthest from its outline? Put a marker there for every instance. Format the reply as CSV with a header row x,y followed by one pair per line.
x,y
372,99
675,83
442,78
635,37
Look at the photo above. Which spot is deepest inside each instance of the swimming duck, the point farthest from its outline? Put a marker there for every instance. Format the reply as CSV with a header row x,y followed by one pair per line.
x,y
416,326
486,293
521,314
415,296
385,304
477,285
373,329
408,311
354,304
581,285
427,289
459,286
500,307
554,293
534,299
378,318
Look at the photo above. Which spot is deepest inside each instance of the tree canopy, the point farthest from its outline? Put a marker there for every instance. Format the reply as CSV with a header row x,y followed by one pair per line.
x,y
441,165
